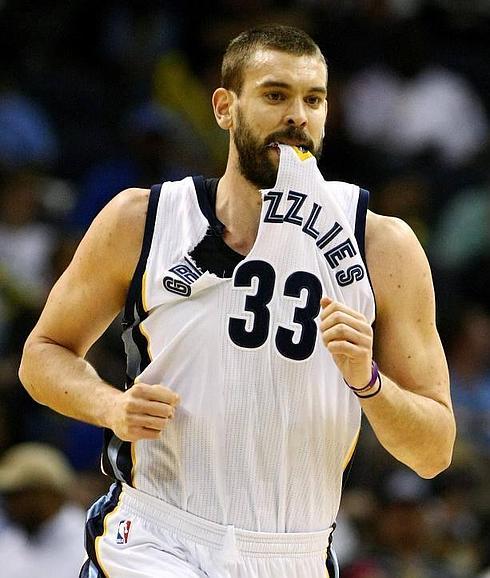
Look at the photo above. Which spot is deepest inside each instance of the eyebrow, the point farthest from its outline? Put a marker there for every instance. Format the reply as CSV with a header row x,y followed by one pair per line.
x,y
286,85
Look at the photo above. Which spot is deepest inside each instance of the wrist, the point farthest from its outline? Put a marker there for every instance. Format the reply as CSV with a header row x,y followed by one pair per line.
x,y
108,405
372,388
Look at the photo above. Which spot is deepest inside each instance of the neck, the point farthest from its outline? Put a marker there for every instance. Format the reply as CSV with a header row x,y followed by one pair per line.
x,y
238,207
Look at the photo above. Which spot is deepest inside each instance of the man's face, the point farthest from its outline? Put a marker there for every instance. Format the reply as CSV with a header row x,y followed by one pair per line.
x,y
283,100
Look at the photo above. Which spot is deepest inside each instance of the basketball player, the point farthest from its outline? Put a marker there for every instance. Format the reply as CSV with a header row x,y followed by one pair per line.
x,y
248,326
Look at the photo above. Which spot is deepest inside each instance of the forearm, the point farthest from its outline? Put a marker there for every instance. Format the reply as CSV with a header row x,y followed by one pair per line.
x,y
416,430
56,377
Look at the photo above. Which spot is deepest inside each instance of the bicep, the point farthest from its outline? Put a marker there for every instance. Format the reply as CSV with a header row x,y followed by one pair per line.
x,y
92,290
407,344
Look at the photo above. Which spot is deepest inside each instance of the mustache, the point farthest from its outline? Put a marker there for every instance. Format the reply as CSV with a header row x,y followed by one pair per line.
x,y
291,133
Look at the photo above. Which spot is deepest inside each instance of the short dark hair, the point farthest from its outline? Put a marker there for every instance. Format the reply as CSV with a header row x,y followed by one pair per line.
x,y
273,37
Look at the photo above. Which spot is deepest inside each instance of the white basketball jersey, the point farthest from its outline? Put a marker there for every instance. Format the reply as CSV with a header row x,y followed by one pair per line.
x,y
266,423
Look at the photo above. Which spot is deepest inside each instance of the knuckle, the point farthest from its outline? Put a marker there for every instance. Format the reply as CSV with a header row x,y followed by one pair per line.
x,y
341,329
136,389
130,405
131,420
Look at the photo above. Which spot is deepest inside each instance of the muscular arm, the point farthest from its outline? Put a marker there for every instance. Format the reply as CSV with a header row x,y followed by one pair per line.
x,y
412,415
81,305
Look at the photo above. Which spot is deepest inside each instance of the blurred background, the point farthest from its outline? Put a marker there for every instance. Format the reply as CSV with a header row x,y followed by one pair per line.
x,y
99,96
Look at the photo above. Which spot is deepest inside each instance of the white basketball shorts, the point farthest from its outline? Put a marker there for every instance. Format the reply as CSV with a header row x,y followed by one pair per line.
x,y
133,535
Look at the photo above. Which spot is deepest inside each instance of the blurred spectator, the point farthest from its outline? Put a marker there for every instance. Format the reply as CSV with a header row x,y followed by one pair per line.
x,y
26,134
462,232
346,540
25,247
156,148
43,535
25,241
401,545
469,366
177,88
406,196
453,515
411,107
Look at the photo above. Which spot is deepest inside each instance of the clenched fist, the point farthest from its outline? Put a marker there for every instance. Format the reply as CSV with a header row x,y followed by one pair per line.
x,y
142,412
349,338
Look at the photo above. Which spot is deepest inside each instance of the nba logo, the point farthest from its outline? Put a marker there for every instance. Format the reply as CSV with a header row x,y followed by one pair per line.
x,y
123,532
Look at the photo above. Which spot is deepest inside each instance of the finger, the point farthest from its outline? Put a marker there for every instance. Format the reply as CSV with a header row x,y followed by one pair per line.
x,y
346,349
325,301
342,332
142,433
134,407
155,392
138,406
148,422
336,306
159,409
343,318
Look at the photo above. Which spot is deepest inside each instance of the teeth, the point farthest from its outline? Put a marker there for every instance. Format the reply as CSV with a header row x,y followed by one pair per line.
x,y
302,147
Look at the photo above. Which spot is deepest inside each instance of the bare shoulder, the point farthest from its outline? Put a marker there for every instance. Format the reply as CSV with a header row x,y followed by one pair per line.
x,y
397,263
388,233
128,209
116,235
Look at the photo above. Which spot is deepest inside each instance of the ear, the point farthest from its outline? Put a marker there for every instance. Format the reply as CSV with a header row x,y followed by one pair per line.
x,y
222,104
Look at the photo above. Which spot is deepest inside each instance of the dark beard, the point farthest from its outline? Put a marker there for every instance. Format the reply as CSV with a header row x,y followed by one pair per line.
x,y
254,158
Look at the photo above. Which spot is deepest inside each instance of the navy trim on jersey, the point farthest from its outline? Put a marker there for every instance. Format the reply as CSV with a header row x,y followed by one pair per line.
x,y
94,528
134,293
142,345
134,311
360,232
116,455
90,570
360,228
117,459
331,561
207,203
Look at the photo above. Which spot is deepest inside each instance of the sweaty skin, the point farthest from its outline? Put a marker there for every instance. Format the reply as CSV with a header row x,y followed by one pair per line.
x,y
411,416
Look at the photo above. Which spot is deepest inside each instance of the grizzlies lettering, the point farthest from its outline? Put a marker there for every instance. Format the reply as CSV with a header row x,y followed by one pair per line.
x,y
344,249
187,273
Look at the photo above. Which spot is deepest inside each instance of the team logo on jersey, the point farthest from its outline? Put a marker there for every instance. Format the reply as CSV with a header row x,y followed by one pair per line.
x,y
123,532
183,276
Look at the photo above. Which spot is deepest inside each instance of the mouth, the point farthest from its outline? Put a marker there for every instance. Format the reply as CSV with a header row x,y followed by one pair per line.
x,y
301,145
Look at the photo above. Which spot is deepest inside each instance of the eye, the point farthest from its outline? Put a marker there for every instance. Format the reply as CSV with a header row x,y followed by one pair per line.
x,y
274,96
313,100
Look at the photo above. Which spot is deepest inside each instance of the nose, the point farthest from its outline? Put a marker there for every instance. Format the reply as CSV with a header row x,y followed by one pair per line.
x,y
296,114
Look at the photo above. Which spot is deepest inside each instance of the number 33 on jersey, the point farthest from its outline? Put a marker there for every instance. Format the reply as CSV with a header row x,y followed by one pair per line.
x,y
234,347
